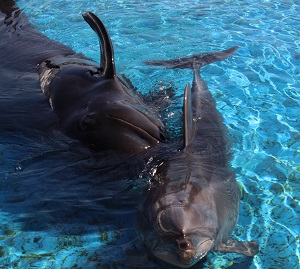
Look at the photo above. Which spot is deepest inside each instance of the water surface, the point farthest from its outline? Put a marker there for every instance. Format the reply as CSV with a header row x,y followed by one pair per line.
x,y
65,207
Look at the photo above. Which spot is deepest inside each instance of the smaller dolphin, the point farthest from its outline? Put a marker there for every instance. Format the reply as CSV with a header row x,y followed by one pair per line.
x,y
94,104
192,203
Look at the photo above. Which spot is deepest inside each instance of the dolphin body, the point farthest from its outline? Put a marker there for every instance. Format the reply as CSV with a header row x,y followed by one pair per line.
x,y
93,103
192,203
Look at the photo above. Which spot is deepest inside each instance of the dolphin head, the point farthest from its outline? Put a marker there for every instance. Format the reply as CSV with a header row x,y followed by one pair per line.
x,y
179,222
182,235
94,104
103,113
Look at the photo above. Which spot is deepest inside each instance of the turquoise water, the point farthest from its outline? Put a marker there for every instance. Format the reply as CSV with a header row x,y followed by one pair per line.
x,y
62,210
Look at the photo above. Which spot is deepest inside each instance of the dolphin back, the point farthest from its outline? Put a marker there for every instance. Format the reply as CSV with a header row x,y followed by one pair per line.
x,y
204,131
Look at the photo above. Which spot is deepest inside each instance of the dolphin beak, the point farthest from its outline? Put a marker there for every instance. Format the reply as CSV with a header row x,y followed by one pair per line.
x,y
186,256
141,122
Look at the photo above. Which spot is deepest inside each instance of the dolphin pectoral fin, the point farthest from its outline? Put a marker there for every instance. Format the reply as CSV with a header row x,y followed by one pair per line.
x,y
107,53
187,115
249,248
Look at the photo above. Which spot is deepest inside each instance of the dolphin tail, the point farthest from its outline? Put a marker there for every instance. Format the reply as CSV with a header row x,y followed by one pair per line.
x,y
196,60
107,65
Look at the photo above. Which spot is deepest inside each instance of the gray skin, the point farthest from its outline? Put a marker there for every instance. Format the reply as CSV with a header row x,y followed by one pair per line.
x,y
192,203
95,105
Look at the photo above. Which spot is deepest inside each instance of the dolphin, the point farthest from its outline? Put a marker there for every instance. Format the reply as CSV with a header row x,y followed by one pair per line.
x,y
192,202
93,103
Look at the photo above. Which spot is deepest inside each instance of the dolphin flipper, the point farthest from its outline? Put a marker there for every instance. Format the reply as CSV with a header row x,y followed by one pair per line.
x,y
249,248
107,66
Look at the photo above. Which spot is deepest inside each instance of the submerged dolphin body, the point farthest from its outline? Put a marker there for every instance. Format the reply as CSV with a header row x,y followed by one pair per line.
x,y
93,104
192,204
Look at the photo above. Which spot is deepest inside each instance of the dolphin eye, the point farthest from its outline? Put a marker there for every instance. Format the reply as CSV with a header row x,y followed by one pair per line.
x,y
87,122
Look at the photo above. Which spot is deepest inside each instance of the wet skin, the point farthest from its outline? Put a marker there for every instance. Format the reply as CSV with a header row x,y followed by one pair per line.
x,y
93,103
192,203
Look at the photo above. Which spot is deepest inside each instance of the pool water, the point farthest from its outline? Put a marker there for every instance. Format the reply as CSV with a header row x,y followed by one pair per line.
x,y
64,207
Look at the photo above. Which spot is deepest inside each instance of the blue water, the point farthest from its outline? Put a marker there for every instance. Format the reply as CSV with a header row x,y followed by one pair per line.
x,y
62,207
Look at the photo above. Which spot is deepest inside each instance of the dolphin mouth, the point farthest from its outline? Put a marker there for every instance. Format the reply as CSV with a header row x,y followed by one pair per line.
x,y
201,255
183,258
180,259
203,248
187,256
142,132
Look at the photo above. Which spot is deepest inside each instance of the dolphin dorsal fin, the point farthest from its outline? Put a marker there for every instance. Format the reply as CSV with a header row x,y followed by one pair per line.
x,y
188,115
107,65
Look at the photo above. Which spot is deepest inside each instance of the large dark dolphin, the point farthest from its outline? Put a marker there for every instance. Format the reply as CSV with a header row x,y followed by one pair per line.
x,y
93,104
192,204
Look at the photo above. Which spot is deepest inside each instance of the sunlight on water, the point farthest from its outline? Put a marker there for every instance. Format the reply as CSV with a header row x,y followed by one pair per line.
x,y
257,92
